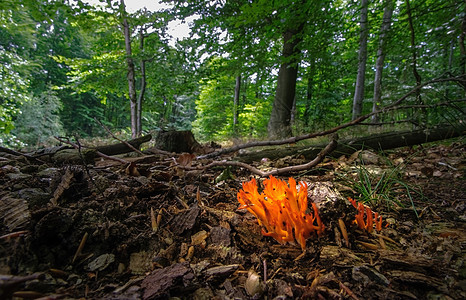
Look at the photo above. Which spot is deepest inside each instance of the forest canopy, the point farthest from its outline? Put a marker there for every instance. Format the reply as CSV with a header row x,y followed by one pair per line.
x,y
249,69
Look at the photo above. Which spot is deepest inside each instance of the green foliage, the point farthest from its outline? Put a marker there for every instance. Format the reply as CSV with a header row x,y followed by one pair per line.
x,y
15,64
39,120
215,107
79,52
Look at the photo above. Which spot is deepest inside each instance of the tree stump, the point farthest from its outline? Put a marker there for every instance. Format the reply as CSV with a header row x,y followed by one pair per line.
x,y
177,141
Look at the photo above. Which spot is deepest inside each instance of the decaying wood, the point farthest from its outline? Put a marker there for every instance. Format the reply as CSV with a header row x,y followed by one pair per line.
x,y
177,141
14,212
74,156
65,183
120,140
123,147
80,155
286,170
383,141
293,140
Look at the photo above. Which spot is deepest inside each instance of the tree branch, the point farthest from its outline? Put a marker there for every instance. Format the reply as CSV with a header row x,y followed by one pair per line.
x,y
329,148
295,139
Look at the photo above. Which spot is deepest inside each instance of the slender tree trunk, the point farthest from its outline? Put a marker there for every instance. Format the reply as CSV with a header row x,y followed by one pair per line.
x,y
143,86
236,102
386,22
279,125
309,91
413,46
130,75
414,62
462,47
361,77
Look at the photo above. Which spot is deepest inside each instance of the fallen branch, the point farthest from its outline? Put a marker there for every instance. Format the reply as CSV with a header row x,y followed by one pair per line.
x,y
296,139
97,152
330,147
16,153
118,139
123,147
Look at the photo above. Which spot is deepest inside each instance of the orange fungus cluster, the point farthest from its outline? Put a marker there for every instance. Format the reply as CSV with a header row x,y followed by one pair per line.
x,y
371,218
282,210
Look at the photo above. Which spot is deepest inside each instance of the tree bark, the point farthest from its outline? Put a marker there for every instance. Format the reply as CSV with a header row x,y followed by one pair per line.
x,y
309,91
462,47
387,19
143,86
236,102
279,125
377,142
362,58
121,148
131,74
413,50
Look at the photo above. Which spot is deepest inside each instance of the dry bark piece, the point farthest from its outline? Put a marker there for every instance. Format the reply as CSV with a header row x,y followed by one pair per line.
x,y
162,282
220,273
220,236
140,262
14,213
65,183
367,275
185,220
101,262
418,278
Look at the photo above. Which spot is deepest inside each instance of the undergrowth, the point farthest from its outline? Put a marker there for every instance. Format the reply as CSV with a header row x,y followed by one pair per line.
x,y
377,188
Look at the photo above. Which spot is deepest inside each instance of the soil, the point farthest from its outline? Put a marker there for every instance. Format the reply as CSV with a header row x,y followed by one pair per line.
x,y
156,229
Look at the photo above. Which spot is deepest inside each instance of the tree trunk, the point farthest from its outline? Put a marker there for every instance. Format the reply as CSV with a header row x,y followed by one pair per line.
x,y
386,22
413,47
360,79
310,84
130,76
143,86
279,125
462,47
414,63
236,102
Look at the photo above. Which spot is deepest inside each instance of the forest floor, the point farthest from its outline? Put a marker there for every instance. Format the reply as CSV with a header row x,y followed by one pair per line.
x,y
86,232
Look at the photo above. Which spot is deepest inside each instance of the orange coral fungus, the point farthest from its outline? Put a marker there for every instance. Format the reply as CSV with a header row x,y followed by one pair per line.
x,y
281,209
371,218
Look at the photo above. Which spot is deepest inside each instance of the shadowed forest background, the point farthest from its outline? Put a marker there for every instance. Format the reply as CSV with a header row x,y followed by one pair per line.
x,y
249,69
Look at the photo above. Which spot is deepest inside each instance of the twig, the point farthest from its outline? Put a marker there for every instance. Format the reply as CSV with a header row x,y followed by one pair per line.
x,y
14,234
118,139
80,247
329,148
347,290
295,139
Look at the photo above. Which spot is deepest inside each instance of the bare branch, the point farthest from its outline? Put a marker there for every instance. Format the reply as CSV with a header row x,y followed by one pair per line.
x,y
295,139
118,139
329,148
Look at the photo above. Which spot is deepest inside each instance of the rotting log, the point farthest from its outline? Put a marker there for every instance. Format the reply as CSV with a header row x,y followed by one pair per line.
x,y
74,157
384,141
121,148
